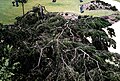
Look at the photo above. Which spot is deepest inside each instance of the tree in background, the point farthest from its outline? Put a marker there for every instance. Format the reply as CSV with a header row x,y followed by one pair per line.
x,y
23,2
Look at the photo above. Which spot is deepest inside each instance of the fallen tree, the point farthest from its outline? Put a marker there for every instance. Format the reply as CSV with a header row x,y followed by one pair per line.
x,y
55,49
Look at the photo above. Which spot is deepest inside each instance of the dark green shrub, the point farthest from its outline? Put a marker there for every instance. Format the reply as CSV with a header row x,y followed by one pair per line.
x,y
113,8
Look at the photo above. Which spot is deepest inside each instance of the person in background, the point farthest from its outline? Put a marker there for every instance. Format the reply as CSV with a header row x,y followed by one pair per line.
x,y
53,0
81,9
16,1
81,0
41,12
13,2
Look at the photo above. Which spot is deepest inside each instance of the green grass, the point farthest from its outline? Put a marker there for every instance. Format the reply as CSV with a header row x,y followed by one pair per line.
x,y
118,0
8,12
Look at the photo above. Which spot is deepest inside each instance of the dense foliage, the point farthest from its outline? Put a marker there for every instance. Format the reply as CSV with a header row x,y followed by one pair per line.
x,y
97,4
55,49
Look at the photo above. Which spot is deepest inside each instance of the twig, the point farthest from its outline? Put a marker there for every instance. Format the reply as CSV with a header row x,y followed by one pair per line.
x,y
41,52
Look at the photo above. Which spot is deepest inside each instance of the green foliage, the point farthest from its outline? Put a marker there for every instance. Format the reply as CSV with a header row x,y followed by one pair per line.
x,y
5,69
5,74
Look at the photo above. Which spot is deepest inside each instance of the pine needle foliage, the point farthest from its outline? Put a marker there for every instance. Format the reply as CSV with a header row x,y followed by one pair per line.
x,y
55,49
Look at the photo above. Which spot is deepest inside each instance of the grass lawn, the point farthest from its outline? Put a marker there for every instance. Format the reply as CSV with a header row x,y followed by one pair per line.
x,y
118,0
8,12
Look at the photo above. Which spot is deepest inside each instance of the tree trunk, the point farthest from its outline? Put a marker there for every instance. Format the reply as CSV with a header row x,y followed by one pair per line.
x,y
23,8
